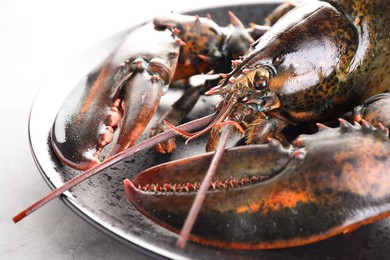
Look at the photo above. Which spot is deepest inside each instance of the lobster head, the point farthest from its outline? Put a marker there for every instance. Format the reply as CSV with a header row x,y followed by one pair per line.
x,y
296,72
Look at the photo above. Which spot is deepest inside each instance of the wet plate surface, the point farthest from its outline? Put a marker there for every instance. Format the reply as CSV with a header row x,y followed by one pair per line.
x,y
101,200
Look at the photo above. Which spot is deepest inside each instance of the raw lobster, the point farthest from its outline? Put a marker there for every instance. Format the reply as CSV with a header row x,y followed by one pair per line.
x,y
317,63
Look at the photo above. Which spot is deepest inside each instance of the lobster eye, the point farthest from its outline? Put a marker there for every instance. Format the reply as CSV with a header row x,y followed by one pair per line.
x,y
261,83
260,80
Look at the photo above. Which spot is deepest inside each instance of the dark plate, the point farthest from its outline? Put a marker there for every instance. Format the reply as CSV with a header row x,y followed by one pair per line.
x,y
101,200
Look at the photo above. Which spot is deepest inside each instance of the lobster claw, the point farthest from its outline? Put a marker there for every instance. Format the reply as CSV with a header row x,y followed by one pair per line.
x,y
123,94
141,100
166,192
303,196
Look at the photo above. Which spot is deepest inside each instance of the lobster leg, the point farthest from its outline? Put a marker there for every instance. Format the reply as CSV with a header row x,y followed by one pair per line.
x,y
175,116
256,31
279,12
264,128
375,110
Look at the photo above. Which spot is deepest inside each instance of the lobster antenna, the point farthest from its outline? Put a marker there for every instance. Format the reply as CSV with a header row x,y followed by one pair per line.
x,y
201,195
223,113
149,143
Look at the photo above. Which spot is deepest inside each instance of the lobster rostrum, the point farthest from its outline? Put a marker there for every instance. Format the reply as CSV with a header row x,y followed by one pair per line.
x,y
317,63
